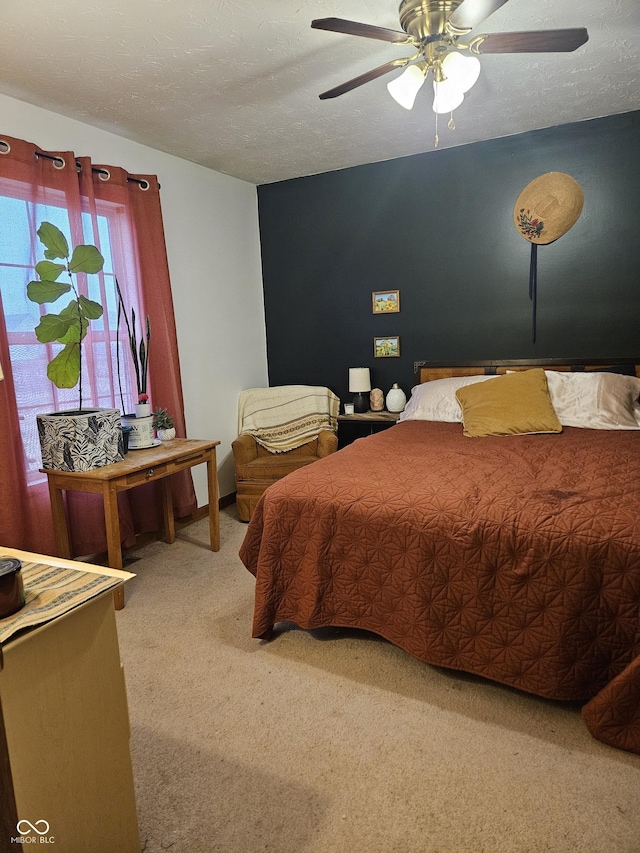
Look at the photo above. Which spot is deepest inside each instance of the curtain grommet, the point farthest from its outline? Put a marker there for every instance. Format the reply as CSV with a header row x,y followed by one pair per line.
x,y
144,185
5,148
104,174
58,163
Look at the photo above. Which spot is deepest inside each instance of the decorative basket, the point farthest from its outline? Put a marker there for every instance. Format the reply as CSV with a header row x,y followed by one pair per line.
x,y
80,440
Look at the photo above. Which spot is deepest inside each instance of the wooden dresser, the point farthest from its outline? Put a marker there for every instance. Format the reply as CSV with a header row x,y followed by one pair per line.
x,y
65,766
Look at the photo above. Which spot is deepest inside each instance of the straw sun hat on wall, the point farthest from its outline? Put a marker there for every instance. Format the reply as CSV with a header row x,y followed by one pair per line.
x,y
545,210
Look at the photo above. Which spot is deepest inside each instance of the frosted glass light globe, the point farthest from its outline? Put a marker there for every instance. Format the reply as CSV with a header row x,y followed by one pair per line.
x,y
447,97
461,70
404,88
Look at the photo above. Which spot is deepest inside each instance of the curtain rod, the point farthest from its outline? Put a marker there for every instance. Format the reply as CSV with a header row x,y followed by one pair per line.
x,y
59,163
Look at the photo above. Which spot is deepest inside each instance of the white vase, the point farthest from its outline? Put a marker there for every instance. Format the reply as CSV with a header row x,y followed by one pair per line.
x,y
143,410
166,434
396,399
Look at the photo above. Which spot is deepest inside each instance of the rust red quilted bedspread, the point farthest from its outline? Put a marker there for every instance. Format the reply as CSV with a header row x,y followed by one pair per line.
x,y
516,558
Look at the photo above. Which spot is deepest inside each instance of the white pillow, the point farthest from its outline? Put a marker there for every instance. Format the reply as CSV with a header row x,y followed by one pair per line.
x,y
436,400
595,400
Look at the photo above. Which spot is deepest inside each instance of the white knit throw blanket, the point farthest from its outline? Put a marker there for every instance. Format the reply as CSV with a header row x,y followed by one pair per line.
x,y
287,416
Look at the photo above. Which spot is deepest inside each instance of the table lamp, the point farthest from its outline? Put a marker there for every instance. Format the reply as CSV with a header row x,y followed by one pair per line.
x,y
360,384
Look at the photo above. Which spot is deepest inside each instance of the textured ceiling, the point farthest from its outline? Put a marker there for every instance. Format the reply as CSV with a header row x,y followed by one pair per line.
x,y
234,84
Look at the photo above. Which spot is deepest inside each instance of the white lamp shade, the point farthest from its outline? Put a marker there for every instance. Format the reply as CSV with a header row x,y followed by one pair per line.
x,y
359,379
404,88
461,70
447,97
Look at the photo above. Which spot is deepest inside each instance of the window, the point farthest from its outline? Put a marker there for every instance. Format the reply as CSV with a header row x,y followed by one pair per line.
x,y
104,344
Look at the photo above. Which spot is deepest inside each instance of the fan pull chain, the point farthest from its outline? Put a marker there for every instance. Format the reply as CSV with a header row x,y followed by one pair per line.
x,y
450,124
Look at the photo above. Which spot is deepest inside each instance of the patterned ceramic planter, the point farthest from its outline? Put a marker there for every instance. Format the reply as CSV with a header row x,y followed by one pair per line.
x,y
80,440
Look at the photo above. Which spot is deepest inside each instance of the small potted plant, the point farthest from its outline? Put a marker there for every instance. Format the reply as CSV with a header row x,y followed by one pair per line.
x,y
143,406
163,425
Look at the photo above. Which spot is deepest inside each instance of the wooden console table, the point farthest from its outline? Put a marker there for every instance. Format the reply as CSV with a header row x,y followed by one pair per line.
x,y
139,466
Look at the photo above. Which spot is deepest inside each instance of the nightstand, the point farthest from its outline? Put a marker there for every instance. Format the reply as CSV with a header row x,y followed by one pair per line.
x,y
351,427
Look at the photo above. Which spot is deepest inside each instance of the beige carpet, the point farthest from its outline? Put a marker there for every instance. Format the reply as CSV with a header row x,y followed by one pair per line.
x,y
337,741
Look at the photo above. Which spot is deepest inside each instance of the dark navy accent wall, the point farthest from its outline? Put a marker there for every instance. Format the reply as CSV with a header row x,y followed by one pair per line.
x,y
439,227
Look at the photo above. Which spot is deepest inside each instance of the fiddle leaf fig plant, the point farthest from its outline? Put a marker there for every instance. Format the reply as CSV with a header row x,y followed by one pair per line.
x,y
69,327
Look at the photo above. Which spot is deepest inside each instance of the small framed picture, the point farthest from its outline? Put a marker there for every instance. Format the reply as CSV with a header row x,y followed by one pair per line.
x,y
388,347
385,301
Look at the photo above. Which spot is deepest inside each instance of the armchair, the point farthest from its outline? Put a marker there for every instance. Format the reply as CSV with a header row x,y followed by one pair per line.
x,y
281,429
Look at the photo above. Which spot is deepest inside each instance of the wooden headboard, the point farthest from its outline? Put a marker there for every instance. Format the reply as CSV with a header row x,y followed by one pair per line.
x,y
426,371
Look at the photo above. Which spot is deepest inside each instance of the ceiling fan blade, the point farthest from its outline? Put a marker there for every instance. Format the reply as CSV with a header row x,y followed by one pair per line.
x,y
353,28
363,78
470,13
534,41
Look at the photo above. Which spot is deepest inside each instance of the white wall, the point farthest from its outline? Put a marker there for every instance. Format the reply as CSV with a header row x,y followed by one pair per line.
x,y
213,246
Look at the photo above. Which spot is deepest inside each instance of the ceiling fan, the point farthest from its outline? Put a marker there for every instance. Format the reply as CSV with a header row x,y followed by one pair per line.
x,y
436,29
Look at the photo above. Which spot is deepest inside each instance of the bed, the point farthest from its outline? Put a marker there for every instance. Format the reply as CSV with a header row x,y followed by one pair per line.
x,y
494,530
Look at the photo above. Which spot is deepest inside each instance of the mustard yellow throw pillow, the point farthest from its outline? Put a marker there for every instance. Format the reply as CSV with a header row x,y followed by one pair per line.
x,y
514,404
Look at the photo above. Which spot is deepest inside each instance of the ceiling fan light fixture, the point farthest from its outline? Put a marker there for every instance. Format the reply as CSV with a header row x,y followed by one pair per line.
x,y
433,29
403,89
461,70
447,96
